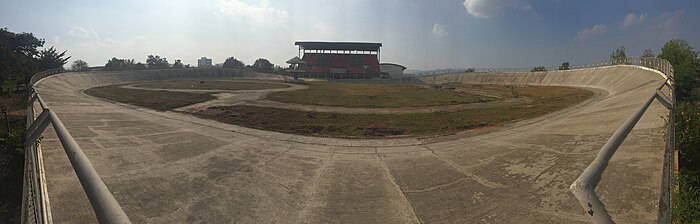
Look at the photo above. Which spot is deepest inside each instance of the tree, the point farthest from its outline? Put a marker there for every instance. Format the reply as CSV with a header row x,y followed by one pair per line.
x,y
262,65
618,56
564,66
123,64
648,53
115,64
50,58
178,64
234,63
79,65
17,57
686,66
538,69
155,61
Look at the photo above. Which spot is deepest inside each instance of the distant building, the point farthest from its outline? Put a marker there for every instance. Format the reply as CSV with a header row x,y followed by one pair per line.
x,y
392,70
204,62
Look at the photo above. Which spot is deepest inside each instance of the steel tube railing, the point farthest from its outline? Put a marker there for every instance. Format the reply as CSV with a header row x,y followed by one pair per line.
x,y
583,188
107,209
35,201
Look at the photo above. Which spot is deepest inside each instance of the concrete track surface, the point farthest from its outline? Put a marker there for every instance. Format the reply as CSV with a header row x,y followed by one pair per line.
x,y
169,167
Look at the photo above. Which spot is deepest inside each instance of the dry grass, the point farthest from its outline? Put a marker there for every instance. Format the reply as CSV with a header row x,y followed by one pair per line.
x,y
376,95
154,99
544,100
211,85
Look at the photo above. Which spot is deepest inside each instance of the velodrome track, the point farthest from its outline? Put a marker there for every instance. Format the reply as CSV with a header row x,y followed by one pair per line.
x,y
166,167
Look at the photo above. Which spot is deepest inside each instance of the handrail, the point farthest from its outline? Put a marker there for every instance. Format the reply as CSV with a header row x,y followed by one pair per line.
x,y
35,197
584,186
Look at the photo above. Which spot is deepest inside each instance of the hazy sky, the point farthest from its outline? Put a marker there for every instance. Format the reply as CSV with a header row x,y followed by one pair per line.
x,y
419,34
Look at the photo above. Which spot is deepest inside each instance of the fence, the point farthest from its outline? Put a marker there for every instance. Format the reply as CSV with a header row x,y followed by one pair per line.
x,y
653,63
35,202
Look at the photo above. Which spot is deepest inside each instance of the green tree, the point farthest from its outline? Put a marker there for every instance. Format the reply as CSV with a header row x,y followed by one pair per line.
x,y
648,53
155,61
17,57
686,66
234,63
115,64
262,65
79,65
139,66
538,69
618,56
564,66
50,58
178,64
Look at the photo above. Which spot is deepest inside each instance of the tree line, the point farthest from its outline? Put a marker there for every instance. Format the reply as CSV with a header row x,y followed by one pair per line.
x,y
158,62
21,57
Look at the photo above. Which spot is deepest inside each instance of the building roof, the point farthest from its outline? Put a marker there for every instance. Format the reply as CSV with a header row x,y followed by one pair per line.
x,y
296,60
403,67
359,46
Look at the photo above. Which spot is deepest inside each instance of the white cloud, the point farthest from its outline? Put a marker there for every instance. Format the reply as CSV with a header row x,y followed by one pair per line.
x,y
439,30
590,32
632,19
78,32
492,8
667,25
668,20
261,13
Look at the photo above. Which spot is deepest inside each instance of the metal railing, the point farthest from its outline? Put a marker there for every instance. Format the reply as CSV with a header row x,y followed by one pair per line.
x,y
653,63
35,202
584,186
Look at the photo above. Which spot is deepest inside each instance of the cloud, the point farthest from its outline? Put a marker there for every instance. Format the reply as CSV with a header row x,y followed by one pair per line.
x,y
78,32
632,19
261,13
492,8
590,32
439,30
667,25
668,20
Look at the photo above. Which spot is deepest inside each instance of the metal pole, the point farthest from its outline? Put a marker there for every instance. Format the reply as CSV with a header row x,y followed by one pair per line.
x,y
107,209
584,187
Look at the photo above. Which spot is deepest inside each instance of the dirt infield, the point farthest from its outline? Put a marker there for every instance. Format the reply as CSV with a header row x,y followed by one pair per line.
x,y
166,167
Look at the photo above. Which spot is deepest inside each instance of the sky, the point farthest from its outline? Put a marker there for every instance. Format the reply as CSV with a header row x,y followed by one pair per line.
x,y
419,34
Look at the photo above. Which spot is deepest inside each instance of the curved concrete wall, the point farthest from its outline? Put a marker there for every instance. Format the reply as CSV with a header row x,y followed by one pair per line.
x,y
627,87
167,167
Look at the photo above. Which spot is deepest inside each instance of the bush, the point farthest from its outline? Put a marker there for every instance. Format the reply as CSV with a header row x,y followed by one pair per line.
x,y
686,201
687,119
564,66
13,143
538,69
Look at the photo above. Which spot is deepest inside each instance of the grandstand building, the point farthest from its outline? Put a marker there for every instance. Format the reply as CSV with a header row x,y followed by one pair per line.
x,y
340,60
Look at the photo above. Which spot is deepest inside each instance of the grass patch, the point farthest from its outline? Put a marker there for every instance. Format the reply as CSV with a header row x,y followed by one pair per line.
x,y
154,99
377,95
211,85
545,100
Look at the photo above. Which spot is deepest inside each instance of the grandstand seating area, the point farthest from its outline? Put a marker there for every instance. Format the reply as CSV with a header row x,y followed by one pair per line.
x,y
352,63
340,60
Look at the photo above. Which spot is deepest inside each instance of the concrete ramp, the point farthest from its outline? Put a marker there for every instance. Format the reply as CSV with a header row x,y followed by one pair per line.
x,y
167,167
